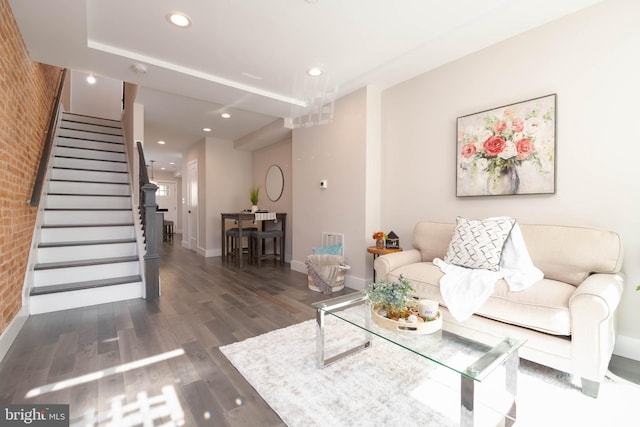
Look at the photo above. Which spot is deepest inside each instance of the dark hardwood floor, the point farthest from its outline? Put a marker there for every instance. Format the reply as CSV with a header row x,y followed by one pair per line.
x,y
128,356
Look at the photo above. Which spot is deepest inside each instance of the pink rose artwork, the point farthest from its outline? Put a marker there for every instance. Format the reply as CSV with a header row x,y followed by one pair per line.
x,y
468,150
524,147
499,126
517,125
494,145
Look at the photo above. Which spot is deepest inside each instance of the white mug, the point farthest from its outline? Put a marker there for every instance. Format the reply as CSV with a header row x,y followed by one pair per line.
x,y
428,308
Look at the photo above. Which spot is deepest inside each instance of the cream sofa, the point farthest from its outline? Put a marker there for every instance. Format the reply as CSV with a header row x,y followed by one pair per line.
x,y
568,317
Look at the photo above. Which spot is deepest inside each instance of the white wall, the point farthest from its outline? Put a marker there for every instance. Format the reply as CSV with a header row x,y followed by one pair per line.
x,y
226,185
335,152
590,60
276,154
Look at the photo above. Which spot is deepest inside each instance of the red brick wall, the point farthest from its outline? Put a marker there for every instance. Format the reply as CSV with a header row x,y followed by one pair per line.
x,y
27,90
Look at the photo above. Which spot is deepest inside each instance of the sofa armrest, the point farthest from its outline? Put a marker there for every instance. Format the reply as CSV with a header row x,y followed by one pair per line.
x,y
599,292
592,307
389,262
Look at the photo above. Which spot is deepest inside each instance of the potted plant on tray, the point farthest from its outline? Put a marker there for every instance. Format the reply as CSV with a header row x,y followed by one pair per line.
x,y
393,307
392,300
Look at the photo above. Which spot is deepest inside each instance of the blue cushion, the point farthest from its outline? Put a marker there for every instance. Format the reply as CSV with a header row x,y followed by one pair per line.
x,y
329,250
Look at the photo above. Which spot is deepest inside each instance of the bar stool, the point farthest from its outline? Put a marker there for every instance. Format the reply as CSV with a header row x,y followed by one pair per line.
x,y
234,241
258,241
167,230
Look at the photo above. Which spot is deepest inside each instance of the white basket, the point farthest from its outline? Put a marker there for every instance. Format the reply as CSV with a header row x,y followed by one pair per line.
x,y
339,285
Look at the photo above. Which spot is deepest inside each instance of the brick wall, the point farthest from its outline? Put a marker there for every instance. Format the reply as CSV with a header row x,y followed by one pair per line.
x,y
27,90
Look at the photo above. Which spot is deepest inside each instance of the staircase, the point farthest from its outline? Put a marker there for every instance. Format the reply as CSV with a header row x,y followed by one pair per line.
x,y
86,252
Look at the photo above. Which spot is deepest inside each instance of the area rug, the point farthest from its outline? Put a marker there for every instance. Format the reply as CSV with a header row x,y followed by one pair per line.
x,y
386,385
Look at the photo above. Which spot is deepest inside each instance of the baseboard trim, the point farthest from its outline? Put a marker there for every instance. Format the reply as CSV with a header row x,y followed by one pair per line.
x,y
11,332
627,347
208,253
298,266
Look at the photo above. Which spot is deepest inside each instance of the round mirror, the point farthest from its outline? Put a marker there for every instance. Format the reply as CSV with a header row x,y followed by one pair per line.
x,y
274,183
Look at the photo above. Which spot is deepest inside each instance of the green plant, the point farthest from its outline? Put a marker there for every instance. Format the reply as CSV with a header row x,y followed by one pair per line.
x,y
254,192
394,297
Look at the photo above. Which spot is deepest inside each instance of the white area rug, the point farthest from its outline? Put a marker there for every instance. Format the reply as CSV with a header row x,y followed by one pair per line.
x,y
389,386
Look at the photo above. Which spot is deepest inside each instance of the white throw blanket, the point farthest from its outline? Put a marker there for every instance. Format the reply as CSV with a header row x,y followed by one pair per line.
x,y
464,290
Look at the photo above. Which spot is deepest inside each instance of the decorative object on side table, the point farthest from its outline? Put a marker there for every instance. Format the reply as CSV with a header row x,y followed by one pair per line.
x,y
508,150
378,236
394,308
392,241
254,194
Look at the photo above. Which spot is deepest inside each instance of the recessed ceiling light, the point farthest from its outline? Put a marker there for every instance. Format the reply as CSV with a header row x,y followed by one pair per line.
x,y
225,115
172,163
179,19
315,71
161,142
91,79
206,129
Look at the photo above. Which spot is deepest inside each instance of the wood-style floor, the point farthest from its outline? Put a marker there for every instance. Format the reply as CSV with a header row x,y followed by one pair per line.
x,y
123,356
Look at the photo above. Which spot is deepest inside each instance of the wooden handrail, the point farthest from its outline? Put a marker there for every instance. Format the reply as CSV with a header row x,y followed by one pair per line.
x,y
144,176
48,143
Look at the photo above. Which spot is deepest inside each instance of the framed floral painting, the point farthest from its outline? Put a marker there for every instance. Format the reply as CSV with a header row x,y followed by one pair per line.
x,y
508,150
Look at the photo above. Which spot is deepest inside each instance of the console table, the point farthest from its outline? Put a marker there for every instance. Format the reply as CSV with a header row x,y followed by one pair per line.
x,y
239,218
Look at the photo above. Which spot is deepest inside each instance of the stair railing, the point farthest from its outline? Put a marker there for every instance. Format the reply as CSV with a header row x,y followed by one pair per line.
x,y
48,143
150,227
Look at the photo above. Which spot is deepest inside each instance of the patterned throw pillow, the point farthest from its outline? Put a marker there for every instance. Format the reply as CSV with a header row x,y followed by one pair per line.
x,y
478,243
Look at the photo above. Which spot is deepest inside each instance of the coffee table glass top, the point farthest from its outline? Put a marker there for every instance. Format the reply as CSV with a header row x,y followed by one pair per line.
x,y
469,358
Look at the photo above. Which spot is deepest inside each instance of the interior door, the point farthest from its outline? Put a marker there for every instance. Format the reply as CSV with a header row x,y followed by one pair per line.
x,y
192,205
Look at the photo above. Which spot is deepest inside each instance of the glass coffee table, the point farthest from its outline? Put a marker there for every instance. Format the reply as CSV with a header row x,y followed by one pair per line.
x,y
479,363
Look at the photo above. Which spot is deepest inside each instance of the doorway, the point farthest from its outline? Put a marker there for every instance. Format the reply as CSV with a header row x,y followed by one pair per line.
x,y
167,198
192,205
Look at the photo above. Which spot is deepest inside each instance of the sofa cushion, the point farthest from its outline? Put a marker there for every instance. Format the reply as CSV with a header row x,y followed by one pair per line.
x,y
570,254
432,238
478,243
542,307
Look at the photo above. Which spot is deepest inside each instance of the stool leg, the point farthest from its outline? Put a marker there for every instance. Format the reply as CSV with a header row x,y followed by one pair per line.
x,y
275,251
278,244
282,250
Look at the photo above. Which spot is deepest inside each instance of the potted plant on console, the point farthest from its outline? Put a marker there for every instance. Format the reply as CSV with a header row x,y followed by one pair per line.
x,y
254,194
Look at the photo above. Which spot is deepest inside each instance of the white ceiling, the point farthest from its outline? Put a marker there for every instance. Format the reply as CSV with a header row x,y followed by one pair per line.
x,y
249,57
